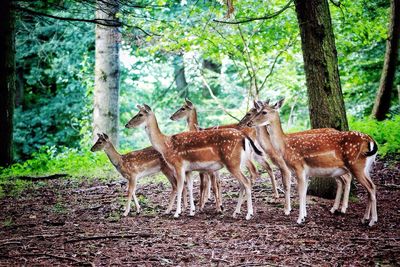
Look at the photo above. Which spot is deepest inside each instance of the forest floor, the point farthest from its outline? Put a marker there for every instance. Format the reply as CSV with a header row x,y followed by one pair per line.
x,y
64,222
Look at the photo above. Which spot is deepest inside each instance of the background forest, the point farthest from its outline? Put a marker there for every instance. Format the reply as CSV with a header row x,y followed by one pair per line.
x,y
170,50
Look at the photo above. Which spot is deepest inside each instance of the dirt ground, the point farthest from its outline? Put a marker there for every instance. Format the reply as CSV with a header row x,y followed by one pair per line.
x,y
64,223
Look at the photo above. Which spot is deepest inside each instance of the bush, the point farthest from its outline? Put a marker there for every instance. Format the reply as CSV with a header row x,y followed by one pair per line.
x,y
386,133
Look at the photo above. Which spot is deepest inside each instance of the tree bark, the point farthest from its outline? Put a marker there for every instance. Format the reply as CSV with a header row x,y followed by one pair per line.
x,y
7,81
325,98
106,89
179,74
383,96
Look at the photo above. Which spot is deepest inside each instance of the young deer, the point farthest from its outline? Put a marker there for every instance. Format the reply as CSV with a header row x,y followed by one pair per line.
x,y
206,179
137,164
200,151
329,153
265,142
188,111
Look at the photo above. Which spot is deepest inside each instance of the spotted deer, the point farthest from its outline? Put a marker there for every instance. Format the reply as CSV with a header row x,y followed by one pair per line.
x,y
200,151
188,111
137,164
343,182
330,153
209,179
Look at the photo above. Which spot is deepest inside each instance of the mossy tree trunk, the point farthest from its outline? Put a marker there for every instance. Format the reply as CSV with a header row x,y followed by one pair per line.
x,y
384,95
325,98
106,91
180,78
7,81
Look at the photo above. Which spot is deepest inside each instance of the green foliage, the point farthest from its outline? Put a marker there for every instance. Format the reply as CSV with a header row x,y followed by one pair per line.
x,y
386,133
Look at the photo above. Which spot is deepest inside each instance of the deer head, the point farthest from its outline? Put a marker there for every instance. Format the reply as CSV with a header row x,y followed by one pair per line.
x,y
101,142
267,115
140,117
257,106
184,111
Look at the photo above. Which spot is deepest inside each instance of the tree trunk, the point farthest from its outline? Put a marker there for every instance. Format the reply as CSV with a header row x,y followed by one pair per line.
x,y
7,81
106,89
383,96
325,99
179,74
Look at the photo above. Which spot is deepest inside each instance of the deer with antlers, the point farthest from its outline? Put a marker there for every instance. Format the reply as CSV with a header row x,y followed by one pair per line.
x,y
137,164
343,182
200,151
188,111
329,153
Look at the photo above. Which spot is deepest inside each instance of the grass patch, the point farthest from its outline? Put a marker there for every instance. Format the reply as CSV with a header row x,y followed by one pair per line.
x,y
8,222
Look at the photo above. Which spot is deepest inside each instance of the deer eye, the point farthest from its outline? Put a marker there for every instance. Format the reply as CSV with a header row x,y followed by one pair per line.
x,y
140,114
264,113
182,108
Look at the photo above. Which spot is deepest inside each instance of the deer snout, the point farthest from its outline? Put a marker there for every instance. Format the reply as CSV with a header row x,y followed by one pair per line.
x,y
250,124
127,125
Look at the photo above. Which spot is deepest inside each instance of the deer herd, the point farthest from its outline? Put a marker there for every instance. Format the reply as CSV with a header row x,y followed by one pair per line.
x,y
257,137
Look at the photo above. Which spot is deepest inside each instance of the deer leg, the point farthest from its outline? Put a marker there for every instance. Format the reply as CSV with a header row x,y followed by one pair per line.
x,y
252,170
339,191
190,188
364,179
203,187
171,200
302,188
138,209
347,184
286,179
180,179
216,188
130,192
271,174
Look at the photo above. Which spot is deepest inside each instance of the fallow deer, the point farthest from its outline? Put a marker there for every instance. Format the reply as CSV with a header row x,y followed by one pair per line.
x,y
330,153
188,111
206,179
343,182
137,164
200,151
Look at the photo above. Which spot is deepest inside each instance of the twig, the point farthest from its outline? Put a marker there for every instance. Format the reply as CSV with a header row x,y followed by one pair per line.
x,y
269,16
88,238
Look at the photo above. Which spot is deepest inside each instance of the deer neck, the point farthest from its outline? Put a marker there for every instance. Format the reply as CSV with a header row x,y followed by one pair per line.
x,y
276,135
113,154
192,120
157,138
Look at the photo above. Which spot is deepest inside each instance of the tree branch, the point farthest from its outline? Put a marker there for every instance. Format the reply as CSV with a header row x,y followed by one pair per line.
x,y
103,22
269,16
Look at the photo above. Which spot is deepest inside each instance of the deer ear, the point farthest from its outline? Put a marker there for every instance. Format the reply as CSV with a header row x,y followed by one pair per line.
x,y
99,135
256,104
146,107
139,107
188,103
105,136
278,104
266,102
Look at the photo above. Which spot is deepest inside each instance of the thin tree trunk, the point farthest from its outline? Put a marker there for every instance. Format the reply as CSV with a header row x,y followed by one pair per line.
x,y
7,81
383,96
325,99
106,91
180,78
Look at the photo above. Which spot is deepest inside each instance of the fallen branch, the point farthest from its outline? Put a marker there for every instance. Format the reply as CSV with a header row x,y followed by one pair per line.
x,y
99,237
41,178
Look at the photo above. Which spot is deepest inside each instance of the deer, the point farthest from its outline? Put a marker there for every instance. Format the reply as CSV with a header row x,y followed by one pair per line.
x,y
343,182
200,151
327,153
188,111
135,165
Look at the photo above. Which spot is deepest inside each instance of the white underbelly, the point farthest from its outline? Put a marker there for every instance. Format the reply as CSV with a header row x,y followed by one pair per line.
x,y
149,171
203,166
326,172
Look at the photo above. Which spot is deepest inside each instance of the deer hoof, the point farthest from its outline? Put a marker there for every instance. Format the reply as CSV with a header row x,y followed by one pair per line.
x,y
249,216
